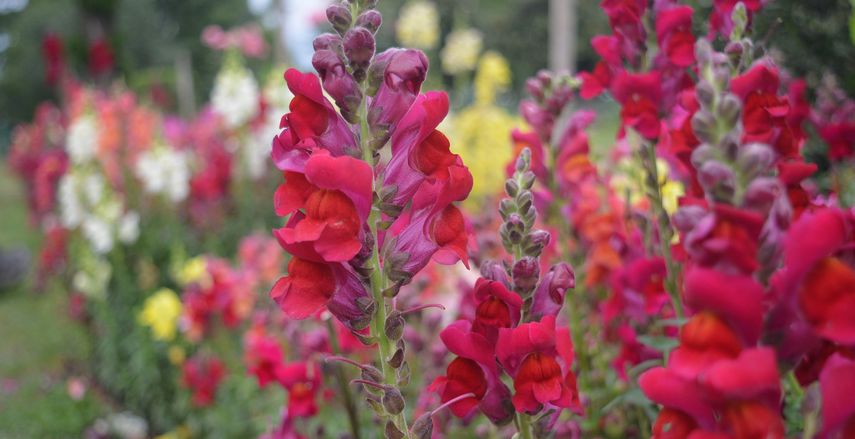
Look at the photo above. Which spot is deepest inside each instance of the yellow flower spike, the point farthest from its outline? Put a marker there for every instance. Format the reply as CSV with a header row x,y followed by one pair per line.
x,y
418,25
460,54
494,76
194,270
160,313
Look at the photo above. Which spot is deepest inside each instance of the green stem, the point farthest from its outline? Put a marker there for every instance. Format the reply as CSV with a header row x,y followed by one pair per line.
x,y
377,279
344,384
663,224
524,426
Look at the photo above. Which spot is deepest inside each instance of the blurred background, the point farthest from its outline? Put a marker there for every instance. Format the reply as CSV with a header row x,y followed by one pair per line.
x,y
157,52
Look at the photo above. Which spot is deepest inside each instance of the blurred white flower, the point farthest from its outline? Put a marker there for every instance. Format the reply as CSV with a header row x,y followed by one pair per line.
x,y
98,233
93,188
418,25
129,227
164,170
70,207
461,51
82,141
235,95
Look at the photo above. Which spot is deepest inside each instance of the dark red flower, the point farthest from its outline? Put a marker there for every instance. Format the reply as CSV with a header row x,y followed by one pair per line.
x,y
674,34
764,113
497,308
539,360
461,377
302,380
639,95
203,375
837,384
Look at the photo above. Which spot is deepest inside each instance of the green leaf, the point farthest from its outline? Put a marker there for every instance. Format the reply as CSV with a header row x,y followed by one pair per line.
x,y
659,342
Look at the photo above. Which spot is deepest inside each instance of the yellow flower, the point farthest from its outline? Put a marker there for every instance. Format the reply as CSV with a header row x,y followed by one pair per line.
x,y
176,355
194,270
481,135
461,51
180,432
418,25
629,181
161,312
494,76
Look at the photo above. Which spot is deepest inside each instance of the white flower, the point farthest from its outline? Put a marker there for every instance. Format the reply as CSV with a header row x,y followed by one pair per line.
x,y
164,170
129,227
235,95
99,234
70,206
461,51
82,141
93,188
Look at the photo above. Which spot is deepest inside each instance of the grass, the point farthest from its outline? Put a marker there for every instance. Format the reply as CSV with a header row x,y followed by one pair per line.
x,y
42,347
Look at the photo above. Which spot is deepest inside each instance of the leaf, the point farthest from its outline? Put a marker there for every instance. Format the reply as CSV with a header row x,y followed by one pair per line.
x,y
659,342
642,367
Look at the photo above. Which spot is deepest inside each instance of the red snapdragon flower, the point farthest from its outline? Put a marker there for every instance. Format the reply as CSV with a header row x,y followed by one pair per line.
x,y
639,95
401,73
262,355
476,371
334,194
674,34
816,280
538,358
764,113
312,123
203,375
303,381
420,152
497,308
726,238
311,286
837,384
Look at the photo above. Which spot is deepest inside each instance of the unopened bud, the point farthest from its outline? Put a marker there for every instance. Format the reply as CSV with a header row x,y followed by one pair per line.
x,y
392,431
526,272
393,401
423,427
339,16
327,41
359,47
370,20
706,94
394,326
755,159
527,180
703,52
535,242
494,270
729,110
704,127
524,160
512,188
718,179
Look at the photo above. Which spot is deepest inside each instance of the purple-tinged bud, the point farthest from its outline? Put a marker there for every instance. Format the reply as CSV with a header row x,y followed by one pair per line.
x,y
755,159
545,78
395,78
703,153
526,272
359,48
394,326
687,217
423,427
392,431
534,89
706,94
327,41
718,179
704,126
762,193
338,83
339,16
703,52
729,110
512,188
549,296
494,270
534,243
370,20
393,401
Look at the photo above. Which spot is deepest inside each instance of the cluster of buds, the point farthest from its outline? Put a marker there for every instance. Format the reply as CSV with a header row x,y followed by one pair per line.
x,y
550,93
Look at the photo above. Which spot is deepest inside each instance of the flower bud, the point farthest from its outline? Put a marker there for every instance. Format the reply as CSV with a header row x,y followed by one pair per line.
x,y
703,52
755,159
359,49
526,272
371,373
528,178
515,227
339,16
535,242
394,326
494,270
327,41
392,431
506,207
423,427
393,401
524,160
512,188
370,20
717,179
534,89
729,110
687,217
524,201
704,126
762,193
706,94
